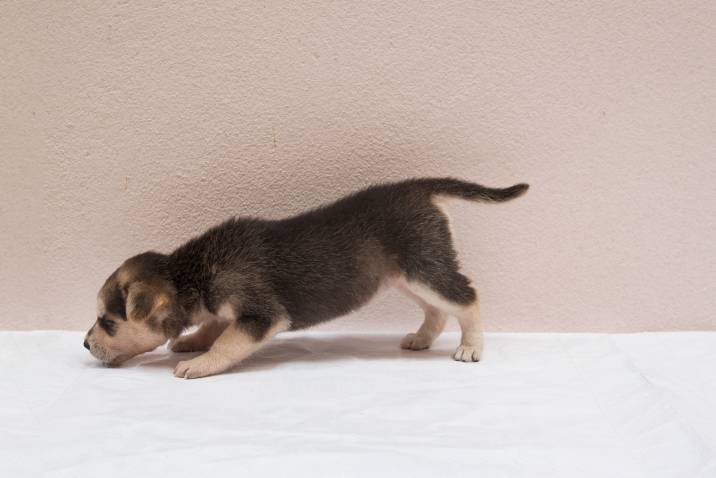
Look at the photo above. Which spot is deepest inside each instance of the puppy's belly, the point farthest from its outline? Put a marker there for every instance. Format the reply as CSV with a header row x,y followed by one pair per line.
x,y
316,306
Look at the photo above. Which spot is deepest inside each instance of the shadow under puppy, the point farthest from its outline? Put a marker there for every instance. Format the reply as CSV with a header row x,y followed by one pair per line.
x,y
247,279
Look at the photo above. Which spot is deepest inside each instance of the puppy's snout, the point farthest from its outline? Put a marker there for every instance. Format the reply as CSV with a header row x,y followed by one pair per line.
x,y
86,344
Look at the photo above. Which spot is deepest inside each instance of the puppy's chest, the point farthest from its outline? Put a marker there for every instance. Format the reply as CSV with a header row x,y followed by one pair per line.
x,y
200,315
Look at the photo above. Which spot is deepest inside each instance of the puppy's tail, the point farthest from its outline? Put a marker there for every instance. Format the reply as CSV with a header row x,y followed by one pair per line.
x,y
472,191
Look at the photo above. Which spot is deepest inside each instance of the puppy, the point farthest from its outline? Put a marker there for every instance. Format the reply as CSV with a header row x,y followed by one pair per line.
x,y
247,279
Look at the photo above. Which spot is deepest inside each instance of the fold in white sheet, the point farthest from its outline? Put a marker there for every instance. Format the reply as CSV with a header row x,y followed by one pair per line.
x,y
329,404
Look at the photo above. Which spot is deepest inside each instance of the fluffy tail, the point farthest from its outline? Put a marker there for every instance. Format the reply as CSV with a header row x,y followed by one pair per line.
x,y
472,191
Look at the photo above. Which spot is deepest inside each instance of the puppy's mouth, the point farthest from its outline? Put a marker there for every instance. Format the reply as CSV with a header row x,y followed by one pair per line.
x,y
116,361
107,360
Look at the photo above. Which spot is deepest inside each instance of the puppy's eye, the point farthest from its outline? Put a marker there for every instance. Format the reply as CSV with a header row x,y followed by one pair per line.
x,y
106,324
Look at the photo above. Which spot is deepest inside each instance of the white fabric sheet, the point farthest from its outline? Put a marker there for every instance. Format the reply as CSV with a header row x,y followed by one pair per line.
x,y
324,404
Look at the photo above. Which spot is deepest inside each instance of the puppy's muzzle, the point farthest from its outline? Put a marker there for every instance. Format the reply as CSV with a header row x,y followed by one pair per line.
x,y
86,344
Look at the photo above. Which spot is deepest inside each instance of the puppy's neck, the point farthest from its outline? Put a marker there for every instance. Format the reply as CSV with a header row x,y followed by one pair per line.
x,y
190,277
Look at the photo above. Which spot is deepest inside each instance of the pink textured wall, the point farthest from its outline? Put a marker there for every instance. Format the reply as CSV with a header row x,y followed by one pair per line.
x,y
130,126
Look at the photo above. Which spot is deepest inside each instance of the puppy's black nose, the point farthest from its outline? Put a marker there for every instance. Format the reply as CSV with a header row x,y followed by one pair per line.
x,y
86,344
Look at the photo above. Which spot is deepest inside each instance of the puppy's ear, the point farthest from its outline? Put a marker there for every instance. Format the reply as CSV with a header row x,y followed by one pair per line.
x,y
146,301
155,303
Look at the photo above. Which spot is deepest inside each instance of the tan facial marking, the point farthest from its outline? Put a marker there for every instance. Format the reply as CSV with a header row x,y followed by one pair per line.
x,y
100,307
129,339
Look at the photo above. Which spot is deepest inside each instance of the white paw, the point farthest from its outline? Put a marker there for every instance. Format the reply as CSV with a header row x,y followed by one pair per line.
x,y
200,366
415,342
467,353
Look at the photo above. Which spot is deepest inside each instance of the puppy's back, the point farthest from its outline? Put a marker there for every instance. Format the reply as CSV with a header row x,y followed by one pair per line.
x,y
332,259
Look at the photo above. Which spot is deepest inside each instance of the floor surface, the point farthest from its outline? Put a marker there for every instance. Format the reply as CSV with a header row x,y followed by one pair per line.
x,y
331,404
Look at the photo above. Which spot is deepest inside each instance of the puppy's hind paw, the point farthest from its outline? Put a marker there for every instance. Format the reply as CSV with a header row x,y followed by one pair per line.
x,y
414,342
467,353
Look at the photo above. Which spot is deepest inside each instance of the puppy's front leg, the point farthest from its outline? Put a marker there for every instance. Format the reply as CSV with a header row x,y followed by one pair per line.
x,y
201,340
237,342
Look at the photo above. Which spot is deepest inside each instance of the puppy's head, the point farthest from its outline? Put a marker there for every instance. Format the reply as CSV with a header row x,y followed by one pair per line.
x,y
137,310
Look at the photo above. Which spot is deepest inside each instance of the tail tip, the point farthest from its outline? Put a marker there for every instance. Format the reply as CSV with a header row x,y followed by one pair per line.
x,y
516,191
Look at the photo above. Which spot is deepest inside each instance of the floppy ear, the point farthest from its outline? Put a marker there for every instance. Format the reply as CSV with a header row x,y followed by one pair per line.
x,y
155,303
145,301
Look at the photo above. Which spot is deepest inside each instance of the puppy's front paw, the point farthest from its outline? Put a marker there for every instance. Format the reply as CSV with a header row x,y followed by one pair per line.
x,y
200,366
467,353
414,342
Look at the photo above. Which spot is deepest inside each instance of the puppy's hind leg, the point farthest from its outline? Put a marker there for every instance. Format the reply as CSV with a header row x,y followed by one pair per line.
x,y
471,342
240,339
455,295
431,328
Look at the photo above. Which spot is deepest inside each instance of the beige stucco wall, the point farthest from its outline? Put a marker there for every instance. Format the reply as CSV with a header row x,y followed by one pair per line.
x,y
126,126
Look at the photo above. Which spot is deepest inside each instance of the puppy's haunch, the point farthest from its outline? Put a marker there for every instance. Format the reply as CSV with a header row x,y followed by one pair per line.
x,y
247,279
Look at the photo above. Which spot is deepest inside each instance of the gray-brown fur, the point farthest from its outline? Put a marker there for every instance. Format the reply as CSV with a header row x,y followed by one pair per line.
x,y
311,267
329,261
